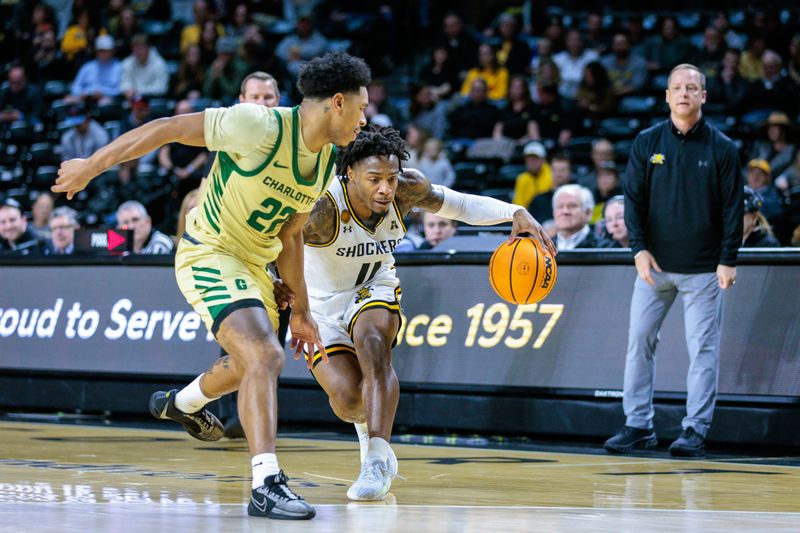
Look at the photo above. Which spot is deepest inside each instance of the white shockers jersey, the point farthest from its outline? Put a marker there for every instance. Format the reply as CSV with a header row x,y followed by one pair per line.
x,y
355,254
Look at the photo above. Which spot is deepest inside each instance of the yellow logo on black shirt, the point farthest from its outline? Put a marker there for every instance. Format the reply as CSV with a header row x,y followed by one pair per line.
x,y
657,159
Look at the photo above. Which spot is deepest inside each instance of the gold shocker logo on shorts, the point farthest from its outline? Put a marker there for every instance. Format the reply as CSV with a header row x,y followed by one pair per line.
x,y
364,293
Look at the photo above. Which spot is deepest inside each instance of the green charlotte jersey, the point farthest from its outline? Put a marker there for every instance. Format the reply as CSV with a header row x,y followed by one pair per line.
x,y
262,175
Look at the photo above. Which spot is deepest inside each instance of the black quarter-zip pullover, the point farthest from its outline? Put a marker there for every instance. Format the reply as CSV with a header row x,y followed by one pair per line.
x,y
684,197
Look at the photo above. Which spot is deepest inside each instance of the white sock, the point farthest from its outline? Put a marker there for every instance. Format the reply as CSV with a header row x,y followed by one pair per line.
x,y
264,465
363,438
191,399
378,448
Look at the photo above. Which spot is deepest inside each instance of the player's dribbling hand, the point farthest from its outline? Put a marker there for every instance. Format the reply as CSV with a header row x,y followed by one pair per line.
x,y
73,176
284,296
645,264
305,336
524,222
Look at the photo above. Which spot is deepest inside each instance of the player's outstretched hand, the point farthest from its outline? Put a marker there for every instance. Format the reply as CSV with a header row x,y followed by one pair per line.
x,y
525,223
305,336
284,296
73,176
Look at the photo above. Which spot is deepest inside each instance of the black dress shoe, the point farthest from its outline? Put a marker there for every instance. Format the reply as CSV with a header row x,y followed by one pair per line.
x,y
629,439
689,444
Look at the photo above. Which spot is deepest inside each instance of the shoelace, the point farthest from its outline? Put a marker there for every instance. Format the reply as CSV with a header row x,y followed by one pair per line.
x,y
371,471
202,419
280,483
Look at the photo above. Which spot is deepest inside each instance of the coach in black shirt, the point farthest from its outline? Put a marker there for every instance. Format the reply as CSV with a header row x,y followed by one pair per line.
x,y
683,210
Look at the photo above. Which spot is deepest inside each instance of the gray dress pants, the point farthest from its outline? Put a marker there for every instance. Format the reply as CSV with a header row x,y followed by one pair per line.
x,y
702,307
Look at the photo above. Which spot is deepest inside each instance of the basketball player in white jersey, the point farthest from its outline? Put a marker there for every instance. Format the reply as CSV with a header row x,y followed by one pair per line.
x,y
354,292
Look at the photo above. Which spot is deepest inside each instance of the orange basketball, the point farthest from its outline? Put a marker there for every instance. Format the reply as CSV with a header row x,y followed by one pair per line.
x,y
521,272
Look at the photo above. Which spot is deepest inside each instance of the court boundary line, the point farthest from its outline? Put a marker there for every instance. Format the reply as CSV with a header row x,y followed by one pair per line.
x,y
728,461
377,505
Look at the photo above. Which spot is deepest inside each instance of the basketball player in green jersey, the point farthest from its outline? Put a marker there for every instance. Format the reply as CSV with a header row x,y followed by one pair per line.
x,y
271,167
354,290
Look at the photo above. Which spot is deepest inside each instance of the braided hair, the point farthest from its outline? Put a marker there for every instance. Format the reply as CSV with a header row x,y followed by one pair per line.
x,y
372,141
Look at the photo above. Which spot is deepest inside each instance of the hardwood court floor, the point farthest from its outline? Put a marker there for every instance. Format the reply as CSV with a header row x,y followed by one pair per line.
x,y
63,478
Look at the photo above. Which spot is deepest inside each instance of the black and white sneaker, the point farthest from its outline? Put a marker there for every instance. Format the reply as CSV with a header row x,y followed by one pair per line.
x,y
202,425
274,499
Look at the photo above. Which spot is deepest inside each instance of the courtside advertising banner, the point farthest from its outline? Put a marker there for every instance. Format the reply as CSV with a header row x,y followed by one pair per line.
x,y
133,320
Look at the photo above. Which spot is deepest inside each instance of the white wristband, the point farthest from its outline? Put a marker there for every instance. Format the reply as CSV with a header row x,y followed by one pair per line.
x,y
473,209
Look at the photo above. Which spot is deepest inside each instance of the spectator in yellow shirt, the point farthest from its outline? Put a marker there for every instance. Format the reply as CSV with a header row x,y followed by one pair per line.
x,y
78,36
750,67
191,34
537,178
495,76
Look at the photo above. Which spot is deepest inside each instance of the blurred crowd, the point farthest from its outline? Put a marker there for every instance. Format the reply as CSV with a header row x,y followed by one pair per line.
x,y
531,102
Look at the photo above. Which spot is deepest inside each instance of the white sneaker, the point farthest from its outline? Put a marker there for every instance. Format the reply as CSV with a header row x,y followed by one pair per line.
x,y
374,481
391,463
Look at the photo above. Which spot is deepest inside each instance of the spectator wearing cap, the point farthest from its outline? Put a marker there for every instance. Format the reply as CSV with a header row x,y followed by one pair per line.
x,y
99,78
777,148
63,223
224,76
146,240
16,238
759,179
304,44
84,138
757,230
144,72
537,177
572,208
606,186
20,100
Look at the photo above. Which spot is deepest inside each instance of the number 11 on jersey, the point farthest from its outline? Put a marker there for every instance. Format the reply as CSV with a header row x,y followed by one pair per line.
x,y
362,274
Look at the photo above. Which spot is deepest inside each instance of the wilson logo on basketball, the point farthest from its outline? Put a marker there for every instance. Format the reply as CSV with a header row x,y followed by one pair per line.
x,y
523,269
548,272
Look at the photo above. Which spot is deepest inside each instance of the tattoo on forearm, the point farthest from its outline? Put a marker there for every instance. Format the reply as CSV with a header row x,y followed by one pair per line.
x,y
415,190
321,224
